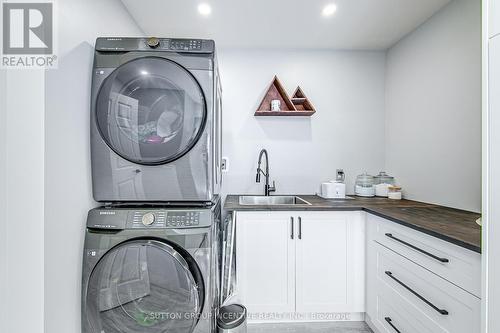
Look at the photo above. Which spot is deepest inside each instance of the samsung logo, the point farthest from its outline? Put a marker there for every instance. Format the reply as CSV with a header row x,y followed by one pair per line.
x,y
107,213
107,226
113,39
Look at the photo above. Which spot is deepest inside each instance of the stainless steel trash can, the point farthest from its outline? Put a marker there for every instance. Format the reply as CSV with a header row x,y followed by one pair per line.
x,y
232,319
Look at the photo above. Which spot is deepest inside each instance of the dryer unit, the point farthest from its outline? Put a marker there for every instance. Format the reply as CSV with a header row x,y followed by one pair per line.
x,y
155,120
150,270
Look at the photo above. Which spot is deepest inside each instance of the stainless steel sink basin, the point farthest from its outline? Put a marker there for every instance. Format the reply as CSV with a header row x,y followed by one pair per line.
x,y
260,200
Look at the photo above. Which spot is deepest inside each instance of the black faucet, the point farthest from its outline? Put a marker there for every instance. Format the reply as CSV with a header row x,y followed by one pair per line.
x,y
267,189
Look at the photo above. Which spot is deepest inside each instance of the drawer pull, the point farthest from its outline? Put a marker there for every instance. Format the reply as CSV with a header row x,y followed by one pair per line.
x,y
442,312
443,260
389,321
300,227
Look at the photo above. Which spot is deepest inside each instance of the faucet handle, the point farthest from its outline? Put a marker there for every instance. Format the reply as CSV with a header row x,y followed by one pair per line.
x,y
272,188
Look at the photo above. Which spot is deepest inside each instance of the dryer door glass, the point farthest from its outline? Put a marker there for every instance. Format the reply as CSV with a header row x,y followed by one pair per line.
x,y
150,111
144,286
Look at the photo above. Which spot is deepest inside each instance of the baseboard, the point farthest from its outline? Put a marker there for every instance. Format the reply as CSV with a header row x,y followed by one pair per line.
x,y
340,317
370,324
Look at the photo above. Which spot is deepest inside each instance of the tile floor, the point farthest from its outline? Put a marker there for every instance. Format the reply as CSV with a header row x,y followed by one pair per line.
x,y
333,327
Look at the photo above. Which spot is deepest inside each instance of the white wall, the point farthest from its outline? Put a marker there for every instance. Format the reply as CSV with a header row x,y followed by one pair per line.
x,y
347,131
433,108
21,200
4,255
21,196
491,180
68,194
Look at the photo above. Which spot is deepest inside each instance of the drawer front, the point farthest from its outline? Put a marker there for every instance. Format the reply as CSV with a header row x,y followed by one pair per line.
x,y
445,306
394,316
453,263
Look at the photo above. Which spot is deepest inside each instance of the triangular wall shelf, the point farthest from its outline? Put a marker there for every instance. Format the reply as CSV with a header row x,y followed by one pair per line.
x,y
277,92
301,102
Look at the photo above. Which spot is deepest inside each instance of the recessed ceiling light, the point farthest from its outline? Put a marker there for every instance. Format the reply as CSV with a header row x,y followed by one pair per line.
x,y
204,9
329,9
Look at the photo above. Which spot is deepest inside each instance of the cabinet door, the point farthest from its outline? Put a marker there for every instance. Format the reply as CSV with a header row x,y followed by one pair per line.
x,y
330,262
265,262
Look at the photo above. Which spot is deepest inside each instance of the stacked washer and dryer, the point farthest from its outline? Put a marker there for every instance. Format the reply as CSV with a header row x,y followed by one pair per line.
x,y
150,261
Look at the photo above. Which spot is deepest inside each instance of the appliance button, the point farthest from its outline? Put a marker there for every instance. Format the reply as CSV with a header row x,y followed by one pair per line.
x,y
148,219
153,42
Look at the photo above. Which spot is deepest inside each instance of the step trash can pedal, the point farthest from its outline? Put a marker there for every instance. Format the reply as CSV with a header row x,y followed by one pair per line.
x,y
232,319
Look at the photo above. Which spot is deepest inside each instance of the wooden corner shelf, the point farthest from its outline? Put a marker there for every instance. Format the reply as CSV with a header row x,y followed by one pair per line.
x,y
297,106
301,102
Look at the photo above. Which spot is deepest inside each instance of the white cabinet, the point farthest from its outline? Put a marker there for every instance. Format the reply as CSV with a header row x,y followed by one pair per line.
x,y
330,262
265,262
453,263
410,289
295,265
438,302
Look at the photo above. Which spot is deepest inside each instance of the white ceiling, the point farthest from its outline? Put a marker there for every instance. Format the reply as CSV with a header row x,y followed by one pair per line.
x,y
357,24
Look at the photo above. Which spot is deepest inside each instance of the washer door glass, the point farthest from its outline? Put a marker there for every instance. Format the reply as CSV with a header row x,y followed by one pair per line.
x,y
143,286
150,111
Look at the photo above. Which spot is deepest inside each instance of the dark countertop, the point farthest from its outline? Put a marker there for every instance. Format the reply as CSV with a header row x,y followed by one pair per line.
x,y
452,225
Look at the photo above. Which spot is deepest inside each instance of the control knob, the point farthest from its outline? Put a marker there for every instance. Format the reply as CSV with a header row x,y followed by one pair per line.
x,y
153,42
148,219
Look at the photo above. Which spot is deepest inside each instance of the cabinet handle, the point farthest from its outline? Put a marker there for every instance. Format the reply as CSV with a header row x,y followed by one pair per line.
x,y
443,260
442,312
389,321
291,227
300,227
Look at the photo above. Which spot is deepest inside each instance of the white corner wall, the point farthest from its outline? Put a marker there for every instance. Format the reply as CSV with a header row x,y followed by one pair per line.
x,y
21,201
68,194
433,108
347,131
4,255
491,160
21,196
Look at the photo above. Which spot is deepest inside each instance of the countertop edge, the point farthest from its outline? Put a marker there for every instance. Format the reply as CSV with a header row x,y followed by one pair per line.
x,y
443,237
263,208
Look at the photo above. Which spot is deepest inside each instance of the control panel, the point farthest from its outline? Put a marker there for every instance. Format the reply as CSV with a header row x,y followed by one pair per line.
x,y
142,218
155,44
176,219
166,219
184,44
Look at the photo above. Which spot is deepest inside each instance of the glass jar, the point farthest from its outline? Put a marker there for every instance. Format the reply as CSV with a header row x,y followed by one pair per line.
x,y
382,183
395,193
384,178
365,185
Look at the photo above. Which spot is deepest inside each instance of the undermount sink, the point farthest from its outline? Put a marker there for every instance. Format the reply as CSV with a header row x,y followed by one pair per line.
x,y
260,200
